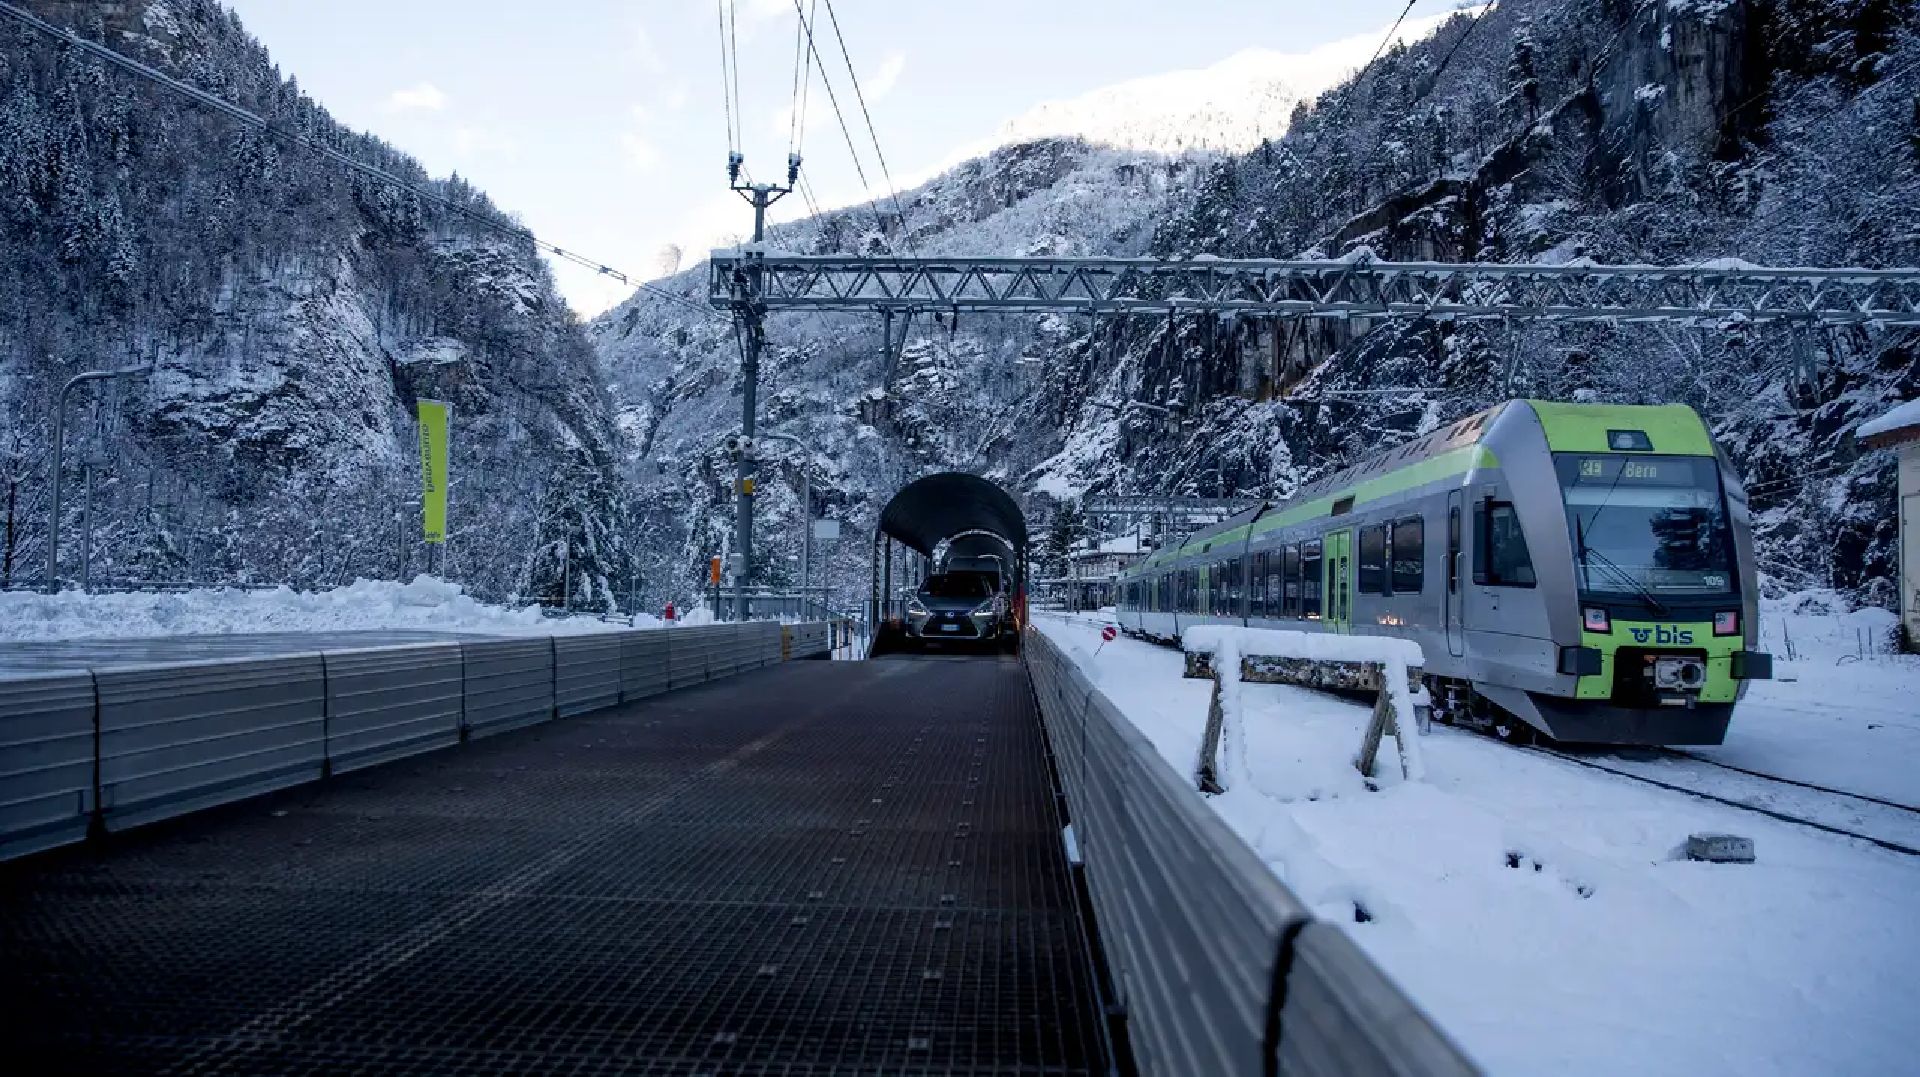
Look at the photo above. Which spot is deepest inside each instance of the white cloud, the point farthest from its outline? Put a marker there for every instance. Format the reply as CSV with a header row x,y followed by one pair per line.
x,y
882,82
425,97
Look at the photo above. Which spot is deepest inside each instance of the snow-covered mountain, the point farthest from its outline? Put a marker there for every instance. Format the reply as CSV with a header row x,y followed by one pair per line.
x,y
1626,132
1227,107
292,314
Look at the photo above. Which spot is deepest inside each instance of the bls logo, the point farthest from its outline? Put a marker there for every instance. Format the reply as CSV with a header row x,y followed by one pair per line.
x,y
1664,636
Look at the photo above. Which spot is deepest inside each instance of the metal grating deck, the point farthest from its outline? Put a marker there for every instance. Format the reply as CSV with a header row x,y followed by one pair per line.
x,y
822,868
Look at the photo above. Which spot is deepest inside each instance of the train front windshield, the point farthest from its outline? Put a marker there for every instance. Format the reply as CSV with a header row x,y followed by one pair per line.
x,y
1652,524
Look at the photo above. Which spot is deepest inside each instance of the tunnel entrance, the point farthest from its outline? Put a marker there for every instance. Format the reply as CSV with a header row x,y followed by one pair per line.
x,y
957,526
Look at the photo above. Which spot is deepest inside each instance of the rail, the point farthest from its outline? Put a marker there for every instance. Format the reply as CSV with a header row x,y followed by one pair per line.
x,y
1219,968
101,745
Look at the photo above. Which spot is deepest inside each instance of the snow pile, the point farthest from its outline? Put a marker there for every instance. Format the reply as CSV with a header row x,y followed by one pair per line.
x,y
1541,911
1314,646
1907,414
1229,644
1820,625
426,603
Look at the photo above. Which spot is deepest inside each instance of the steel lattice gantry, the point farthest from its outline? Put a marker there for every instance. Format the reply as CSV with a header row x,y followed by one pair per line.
x,y
1711,292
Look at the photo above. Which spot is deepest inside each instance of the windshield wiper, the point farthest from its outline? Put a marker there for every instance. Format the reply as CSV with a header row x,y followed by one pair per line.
x,y
1585,551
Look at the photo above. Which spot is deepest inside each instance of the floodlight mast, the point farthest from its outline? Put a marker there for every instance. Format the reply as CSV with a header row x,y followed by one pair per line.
x,y
750,313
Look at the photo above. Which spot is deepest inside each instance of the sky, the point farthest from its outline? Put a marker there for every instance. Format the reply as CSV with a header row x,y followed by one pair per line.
x,y
601,124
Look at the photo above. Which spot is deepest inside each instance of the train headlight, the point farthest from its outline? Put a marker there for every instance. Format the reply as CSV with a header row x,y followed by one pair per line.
x,y
1726,623
1595,619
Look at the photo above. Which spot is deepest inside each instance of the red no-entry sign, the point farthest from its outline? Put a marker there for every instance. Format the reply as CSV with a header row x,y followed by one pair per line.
x,y
1107,634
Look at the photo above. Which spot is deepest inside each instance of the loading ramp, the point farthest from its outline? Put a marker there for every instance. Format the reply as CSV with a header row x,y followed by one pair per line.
x,y
820,867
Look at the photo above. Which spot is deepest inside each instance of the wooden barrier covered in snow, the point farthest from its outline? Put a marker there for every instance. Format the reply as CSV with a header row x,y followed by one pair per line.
x,y
1231,656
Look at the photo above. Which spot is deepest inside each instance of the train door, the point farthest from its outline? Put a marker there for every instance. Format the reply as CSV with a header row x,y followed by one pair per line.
x,y
1456,561
1339,589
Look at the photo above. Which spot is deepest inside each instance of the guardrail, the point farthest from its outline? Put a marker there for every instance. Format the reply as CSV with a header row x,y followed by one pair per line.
x,y
92,750
1219,968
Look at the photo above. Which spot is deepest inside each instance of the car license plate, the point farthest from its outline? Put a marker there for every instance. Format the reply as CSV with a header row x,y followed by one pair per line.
x,y
949,628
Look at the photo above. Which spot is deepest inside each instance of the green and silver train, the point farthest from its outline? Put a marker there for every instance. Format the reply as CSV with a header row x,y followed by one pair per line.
x,y
1582,571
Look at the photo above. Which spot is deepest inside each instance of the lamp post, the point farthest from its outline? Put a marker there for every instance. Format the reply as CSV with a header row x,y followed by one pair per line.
x,y
59,449
806,511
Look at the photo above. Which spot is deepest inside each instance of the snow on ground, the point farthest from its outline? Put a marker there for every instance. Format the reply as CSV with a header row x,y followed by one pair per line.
x,y
1540,911
1844,712
426,603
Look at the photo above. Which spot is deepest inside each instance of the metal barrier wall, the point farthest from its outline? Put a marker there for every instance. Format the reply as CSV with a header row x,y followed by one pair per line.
x,y
805,641
506,684
643,664
690,655
46,761
128,744
1219,968
177,738
586,673
392,702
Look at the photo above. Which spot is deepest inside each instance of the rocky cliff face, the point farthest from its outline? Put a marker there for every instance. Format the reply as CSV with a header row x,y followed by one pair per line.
x,y
292,312
1621,131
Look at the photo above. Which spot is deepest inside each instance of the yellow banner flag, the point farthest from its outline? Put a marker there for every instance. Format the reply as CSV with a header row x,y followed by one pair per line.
x,y
435,417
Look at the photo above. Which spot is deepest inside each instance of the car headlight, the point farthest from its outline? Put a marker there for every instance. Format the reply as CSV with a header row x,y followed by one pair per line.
x,y
984,609
914,607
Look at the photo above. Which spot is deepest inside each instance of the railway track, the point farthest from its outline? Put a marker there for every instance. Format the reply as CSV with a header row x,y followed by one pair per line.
x,y
1682,754
1898,824
1891,814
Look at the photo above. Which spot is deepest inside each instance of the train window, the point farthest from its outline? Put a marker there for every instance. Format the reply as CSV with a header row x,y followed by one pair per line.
x,y
1310,580
1257,587
1373,560
1501,558
1290,572
1236,596
1408,553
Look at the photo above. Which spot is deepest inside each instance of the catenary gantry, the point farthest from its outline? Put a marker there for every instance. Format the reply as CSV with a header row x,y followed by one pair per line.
x,y
744,278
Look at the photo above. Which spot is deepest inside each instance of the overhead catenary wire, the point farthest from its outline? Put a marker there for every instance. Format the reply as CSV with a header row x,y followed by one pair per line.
x,y
1387,40
235,112
802,83
893,192
726,76
839,117
1433,80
